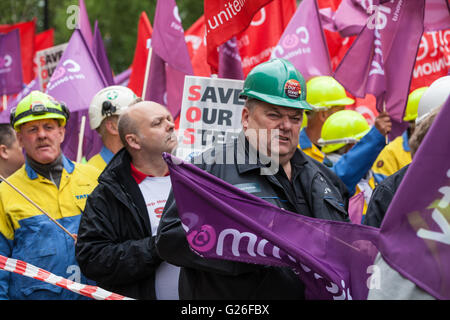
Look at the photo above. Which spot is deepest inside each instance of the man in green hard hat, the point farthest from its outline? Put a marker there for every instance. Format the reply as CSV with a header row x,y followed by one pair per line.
x,y
57,185
275,94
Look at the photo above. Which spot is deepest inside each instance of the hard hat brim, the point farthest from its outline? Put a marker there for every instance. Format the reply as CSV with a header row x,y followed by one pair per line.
x,y
279,101
33,117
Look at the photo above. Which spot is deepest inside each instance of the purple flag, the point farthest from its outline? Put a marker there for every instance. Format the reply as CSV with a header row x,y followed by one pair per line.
x,y
382,58
230,63
122,78
75,81
92,142
351,16
415,233
437,15
170,61
356,207
83,23
224,222
98,49
303,42
77,78
10,63
33,85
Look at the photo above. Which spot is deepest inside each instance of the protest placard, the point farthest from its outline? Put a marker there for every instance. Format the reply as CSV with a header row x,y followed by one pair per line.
x,y
211,112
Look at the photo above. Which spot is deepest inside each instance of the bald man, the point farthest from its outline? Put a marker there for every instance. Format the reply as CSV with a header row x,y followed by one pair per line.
x,y
116,238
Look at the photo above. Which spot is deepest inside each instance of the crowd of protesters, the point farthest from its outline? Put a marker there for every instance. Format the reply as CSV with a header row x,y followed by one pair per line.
x,y
124,232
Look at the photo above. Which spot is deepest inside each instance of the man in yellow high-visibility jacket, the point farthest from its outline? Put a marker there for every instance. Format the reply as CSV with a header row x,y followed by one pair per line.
x,y
55,184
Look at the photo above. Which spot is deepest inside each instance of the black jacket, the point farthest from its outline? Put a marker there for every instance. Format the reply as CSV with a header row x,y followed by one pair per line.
x,y
325,196
115,246
382,197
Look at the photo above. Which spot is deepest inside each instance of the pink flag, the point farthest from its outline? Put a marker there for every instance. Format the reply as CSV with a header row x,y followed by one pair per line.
x,y
230,63
83,23
356,207
170,61
381,59
303,42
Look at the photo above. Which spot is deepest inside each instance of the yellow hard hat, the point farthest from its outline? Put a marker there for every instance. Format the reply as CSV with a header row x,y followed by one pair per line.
x,y
324,92
413,104
37,106
341,128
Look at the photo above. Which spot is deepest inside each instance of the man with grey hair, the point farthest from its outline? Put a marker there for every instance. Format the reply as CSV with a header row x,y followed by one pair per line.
x,y
116,239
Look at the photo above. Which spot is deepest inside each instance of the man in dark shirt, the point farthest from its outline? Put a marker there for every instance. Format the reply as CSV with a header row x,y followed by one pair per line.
x,y
266,162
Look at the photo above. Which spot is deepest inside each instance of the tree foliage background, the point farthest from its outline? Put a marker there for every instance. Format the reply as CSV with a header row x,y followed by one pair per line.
x,y
117,20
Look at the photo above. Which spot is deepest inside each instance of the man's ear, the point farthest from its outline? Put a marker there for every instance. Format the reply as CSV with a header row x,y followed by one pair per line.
x,y
3,152
133,141
111,127
244,119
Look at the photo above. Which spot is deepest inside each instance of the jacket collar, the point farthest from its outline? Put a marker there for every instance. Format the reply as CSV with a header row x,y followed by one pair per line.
x,y
68,165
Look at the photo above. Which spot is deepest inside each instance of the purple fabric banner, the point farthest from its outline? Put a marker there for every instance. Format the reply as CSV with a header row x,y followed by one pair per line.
x,y
98,49
437,15
122,78
223,222
417,221
382,58
83,23
77,78
303,42
10,63
75,81
168,48
33,85
92,143
230,63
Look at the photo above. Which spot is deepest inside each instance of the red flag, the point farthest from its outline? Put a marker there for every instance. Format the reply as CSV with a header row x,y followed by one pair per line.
x,y
225,19
196,44
27,32
433,58
257,41
138,67
44,40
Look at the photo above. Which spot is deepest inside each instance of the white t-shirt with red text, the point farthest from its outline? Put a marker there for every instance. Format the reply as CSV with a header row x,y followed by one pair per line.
x,y
155,191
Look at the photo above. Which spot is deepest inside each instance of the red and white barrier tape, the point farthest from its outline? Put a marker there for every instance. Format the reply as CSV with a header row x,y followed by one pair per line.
x,y
28,270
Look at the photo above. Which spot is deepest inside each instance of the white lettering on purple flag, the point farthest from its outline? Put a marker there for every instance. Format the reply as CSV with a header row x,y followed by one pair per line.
x,y
439,219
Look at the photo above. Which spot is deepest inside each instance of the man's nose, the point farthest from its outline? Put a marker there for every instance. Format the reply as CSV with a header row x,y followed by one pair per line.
x,y
285,123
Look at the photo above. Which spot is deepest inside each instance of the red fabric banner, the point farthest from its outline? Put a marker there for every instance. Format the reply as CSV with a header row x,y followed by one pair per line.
x,y
138,67
224,19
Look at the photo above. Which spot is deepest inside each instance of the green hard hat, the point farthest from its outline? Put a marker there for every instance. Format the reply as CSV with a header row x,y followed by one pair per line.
x,y
341,128
37,106
277,82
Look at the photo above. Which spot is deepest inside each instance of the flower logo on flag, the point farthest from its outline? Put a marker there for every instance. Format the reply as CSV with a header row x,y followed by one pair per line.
x,y
5,61
68,65
202,240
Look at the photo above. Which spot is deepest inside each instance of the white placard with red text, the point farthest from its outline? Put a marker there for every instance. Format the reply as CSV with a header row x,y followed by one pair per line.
x,y
210,113
47,60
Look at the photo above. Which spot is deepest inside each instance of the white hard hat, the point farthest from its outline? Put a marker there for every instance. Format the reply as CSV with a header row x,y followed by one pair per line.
x,y
433,97
109,101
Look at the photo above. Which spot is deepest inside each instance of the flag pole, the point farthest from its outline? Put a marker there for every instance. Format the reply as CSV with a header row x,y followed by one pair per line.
x,y
5,101
147,67
384,110
39,208
80,139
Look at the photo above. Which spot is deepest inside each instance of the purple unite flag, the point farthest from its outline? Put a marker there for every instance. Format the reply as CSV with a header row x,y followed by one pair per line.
x,y
303,42
170,61
75,81
10,63
382,58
